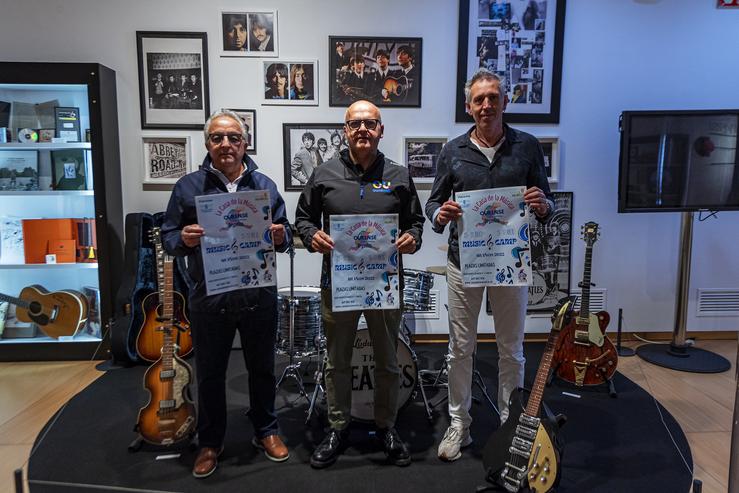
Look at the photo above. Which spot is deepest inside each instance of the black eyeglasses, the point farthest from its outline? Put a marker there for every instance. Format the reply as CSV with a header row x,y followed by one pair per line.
x,y
368,124
235,139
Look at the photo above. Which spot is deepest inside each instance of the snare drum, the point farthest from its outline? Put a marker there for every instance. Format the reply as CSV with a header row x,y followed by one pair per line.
x,y
363,376
417,290
307,324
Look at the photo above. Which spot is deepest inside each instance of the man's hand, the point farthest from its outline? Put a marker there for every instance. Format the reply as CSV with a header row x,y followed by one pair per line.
x,y
191,235
321,242
406,243
536,200
278,234
449,211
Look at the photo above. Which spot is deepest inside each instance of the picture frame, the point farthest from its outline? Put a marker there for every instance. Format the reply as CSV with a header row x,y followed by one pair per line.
x,y
249,117
550,147
300,162
173,79
397,84
166,158
251,33
290,82
67,121
520,41
19,170
69,169
420,156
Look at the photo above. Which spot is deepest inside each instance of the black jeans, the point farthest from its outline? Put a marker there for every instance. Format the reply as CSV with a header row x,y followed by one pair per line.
x,y
213,335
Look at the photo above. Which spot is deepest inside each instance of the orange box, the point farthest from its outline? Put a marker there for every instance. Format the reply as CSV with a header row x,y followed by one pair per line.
x,y
64,250
38,232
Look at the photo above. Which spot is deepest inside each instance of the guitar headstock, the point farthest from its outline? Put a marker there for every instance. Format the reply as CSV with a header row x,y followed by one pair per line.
x,y
562,312
155,235
590,232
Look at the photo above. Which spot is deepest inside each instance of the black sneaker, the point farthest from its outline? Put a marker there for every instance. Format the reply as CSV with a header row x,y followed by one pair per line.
x,y
396,451
329,449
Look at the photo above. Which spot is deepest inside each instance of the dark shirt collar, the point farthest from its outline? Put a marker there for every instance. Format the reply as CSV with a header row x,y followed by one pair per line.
x,y
347,160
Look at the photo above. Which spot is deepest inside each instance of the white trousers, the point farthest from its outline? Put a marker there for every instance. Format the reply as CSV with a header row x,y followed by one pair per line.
x,y
509,314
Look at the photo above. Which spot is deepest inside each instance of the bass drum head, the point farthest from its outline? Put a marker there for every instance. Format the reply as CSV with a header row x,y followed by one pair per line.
x,y
363,375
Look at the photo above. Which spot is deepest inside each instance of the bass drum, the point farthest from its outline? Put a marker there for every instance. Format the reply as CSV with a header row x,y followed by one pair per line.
x,y
363,375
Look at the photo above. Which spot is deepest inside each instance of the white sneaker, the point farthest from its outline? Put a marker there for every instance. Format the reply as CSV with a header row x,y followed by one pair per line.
x,y
454,440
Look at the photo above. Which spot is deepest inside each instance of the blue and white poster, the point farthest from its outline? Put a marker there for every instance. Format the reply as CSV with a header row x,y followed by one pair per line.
x,y
364,262
237,247
494,237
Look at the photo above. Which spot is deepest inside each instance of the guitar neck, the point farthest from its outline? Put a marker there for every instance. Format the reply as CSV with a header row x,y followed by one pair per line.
x,y
537,389
14,300
585,301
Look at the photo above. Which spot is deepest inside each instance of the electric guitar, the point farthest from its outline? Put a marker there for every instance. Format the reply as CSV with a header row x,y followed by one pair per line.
x,y
151,334
584,354
59,313
523,455
169,416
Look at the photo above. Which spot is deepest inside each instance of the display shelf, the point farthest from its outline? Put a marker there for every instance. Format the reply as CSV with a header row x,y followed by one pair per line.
x,y
66,265
36,193
49,340
44,146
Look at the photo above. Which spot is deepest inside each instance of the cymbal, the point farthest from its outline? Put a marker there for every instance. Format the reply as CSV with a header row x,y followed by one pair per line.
x,y
437,269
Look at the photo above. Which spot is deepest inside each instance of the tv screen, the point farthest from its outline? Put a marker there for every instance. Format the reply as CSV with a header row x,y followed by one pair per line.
x,y
678,161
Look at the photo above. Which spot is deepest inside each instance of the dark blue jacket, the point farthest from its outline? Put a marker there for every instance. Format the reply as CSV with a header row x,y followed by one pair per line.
x,y
462,166
181,212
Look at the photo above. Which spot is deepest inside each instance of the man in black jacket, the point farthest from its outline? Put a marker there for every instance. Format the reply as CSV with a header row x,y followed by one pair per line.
x,y
360,181
216,318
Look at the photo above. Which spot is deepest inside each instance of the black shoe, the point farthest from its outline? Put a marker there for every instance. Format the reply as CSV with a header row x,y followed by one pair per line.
x,y
329,449
396,451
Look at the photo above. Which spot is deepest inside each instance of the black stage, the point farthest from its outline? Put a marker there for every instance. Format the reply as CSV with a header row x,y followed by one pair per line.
x,y
612,444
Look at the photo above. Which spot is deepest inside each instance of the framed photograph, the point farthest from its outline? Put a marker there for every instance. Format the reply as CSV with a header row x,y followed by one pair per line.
x,y
386,71
290,82
249,34
18,170
520,41
307,145
67,120
420,155
249,117
166,159
173,79
68,169
550,147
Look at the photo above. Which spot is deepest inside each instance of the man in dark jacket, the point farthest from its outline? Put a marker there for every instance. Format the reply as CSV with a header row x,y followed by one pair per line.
x,y
216,318
360,181
489,155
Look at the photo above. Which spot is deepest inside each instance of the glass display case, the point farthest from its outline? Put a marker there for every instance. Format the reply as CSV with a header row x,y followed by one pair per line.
x,y
61,218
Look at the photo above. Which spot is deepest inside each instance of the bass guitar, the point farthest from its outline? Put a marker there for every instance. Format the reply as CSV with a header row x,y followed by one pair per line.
x,y
169,416
523,455
585,355
59,313
151,334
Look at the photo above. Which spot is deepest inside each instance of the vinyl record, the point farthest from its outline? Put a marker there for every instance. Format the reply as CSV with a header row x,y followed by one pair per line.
x,y
27,136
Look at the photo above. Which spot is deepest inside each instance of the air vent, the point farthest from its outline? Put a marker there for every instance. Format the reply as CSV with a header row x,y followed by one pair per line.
x,y
433,312
597,299
713,302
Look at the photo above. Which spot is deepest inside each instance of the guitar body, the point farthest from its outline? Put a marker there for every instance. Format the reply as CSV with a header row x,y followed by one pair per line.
x,y
59,313
165,421
580,361
540,472
150,339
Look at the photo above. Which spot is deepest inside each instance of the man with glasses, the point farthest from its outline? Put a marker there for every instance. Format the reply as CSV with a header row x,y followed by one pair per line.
x,y
361,180
216,318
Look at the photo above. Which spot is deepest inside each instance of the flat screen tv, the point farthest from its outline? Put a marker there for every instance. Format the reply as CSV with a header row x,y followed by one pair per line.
x,y
678,161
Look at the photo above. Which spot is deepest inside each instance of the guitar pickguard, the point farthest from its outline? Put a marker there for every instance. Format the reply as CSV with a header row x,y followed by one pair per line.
x,y
595,334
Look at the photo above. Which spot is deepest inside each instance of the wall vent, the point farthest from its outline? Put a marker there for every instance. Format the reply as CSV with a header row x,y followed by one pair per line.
x,y
597,299
714,302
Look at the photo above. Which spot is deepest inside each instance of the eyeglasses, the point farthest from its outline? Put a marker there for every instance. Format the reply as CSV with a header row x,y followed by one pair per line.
x,y
368,124
234,139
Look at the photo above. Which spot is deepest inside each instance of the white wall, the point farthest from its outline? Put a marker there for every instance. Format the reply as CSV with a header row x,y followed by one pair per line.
x,y
618,55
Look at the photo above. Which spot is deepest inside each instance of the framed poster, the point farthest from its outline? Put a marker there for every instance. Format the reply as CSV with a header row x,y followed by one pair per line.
x,y
307,145
420,155
249,117
173,79
386,71
290,82
69,169
550,147
520,41
166,159
249,34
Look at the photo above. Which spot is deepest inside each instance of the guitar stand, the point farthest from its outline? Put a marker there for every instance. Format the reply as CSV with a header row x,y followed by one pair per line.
x,y
139,442
608,381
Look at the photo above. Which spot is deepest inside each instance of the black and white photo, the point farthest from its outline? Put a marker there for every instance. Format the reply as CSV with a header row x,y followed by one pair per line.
x,y
307,146
249,34
421,155
166,159
249,117
386,71
291,82
18,170
173,79
550,148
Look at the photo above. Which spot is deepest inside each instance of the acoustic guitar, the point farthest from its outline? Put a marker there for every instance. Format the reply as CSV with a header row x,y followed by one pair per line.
x,y
584,354
59,313
169,416
523,455
151,334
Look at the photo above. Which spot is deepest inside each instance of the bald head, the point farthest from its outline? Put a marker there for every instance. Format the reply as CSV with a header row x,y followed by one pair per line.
x,y
362,106
363,128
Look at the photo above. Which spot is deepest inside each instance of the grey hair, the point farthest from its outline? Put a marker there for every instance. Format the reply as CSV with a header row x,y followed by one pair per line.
x,y
226,113
481,74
